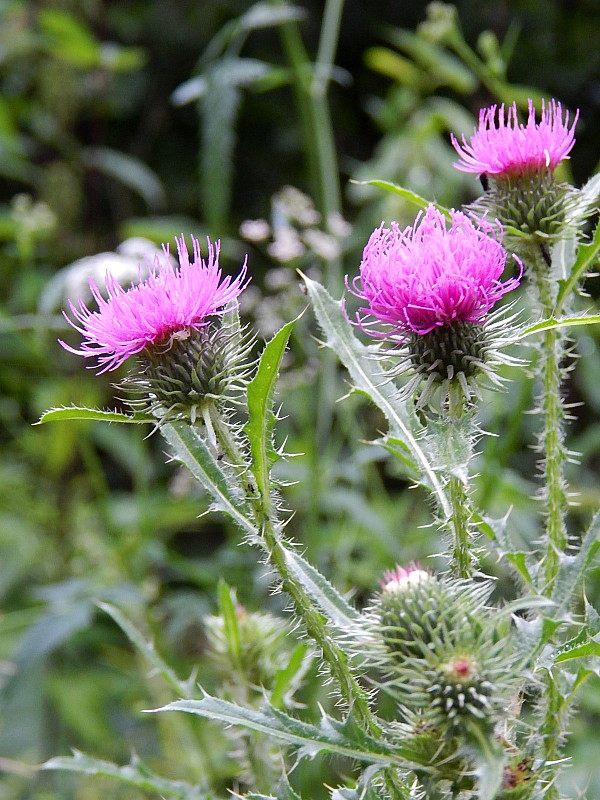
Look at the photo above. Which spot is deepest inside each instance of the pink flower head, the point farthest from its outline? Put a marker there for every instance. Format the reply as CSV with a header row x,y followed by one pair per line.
x,y
400,578
428,276
505,147
170,301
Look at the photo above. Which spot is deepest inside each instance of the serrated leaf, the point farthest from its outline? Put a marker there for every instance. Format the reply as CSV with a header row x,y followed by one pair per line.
x,y
77,412
261,419
584,202
563,322
329,736
190,449
329,601
366,375
134,774
147,649
586,256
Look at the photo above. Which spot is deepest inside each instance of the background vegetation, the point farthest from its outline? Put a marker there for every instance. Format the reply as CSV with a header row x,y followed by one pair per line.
x,y
146,119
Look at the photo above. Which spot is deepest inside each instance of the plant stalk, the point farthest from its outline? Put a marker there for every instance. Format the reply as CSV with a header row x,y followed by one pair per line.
x,y
552,353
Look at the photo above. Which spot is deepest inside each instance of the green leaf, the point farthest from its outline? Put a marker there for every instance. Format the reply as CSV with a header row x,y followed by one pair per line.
x,y
443,66
406,194
330,736
573,568
190,449
76,412
490,758
230,621
564,322
588,648
134,774
585,258
584,202
321,592
365,372
147,649
69,39
288,678
261,419
129,171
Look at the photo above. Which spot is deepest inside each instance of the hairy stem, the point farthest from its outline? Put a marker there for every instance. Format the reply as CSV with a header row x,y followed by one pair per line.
x,y
462,559
265,515
552,353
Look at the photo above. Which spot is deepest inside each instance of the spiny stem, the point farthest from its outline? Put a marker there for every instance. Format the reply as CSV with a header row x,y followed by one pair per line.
x,y
265,517
462,559
553,432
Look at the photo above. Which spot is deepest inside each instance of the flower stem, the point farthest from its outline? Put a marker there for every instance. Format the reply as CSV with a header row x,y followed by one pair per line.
x,y
552,439
265,515
462,559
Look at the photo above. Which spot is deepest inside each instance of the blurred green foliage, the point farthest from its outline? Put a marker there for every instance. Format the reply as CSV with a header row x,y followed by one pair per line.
x,y
149,118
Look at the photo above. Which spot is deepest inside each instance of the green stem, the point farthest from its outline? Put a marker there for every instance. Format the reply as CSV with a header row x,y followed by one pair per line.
x,y
553,432
316,626
462,559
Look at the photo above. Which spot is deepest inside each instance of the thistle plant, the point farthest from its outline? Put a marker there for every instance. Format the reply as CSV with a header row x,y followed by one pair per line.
x,y
441,690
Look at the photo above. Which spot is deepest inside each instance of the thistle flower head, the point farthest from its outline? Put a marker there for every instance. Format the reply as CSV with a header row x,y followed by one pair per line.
x,y
173,322
430,288
501,146
428,276
157,312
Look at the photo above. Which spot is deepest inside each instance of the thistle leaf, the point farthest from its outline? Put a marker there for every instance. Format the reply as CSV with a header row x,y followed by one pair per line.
x,y
330,736
261,419
147,649
189,449
329,601
405,194
134,774
573,568
366,375
77,412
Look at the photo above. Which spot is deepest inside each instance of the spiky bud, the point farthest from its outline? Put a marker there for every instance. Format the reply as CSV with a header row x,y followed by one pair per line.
x,y
443,652
175,378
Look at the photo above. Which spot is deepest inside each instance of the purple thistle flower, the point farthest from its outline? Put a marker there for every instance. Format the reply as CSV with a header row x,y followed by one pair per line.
x,y
167,306
502,146
428,276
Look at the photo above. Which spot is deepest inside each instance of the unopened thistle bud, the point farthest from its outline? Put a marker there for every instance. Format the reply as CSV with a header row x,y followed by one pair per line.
x,y
173,323
442,654
429,291
518,163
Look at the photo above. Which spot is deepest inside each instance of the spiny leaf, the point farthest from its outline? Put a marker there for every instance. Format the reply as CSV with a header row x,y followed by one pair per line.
x,y
77,412
366,375
573,568
585,258
321,592
564,322
405,194
190,449
134,773
328,736
261,419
